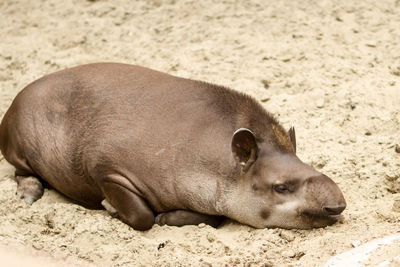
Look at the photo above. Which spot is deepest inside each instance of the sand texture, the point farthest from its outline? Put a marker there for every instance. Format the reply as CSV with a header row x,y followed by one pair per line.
x,y
330,67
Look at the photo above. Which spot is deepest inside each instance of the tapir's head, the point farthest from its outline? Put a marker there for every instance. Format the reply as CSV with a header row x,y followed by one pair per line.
x,y
276,189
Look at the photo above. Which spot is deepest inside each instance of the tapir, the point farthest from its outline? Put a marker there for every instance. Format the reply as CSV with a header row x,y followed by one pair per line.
x,y
154,148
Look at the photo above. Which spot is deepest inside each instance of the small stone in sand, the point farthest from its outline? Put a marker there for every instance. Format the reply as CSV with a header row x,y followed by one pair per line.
x,y
37,246
265,83
320,103
265,99
288,253
288,236
396,205
355,243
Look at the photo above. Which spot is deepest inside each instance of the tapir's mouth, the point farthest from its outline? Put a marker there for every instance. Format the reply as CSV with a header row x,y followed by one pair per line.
x,y
320,219
335,217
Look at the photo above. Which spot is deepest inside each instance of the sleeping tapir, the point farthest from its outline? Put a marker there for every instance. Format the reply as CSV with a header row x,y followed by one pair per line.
x,y
154,148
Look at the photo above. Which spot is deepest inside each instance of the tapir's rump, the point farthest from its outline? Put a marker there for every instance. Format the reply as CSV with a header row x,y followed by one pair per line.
x,y
154,148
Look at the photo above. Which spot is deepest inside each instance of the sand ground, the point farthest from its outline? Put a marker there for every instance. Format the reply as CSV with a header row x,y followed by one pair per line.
x,y
330,67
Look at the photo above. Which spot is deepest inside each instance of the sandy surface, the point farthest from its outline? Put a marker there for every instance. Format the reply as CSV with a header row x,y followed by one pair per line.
x,y
330,67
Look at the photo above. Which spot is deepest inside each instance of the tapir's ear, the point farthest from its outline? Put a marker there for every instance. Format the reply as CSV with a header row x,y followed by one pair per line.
x,y
244,148
292,136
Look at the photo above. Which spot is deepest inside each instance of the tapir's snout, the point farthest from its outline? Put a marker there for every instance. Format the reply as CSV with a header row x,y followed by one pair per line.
x,y
324,201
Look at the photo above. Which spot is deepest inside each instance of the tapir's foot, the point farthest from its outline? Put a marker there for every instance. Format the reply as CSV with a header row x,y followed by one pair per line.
x,y
185,217
29,188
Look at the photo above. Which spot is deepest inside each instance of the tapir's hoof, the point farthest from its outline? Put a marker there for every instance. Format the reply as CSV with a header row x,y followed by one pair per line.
x,y
161,219
29,188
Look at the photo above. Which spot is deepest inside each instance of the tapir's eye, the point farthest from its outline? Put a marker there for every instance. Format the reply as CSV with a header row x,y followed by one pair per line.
x,y
281,188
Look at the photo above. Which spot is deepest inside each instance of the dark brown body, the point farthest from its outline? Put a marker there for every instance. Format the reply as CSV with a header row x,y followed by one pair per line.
x,y
147,142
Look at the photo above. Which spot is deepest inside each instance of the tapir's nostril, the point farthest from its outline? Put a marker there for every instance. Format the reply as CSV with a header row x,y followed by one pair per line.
x,y
334,210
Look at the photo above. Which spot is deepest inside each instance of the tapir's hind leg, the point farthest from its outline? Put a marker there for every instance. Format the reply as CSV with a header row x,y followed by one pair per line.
x,y
185,217
29,187
127,206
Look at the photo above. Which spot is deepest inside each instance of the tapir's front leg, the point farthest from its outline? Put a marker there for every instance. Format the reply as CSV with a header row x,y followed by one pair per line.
x,y
127,206
185,217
